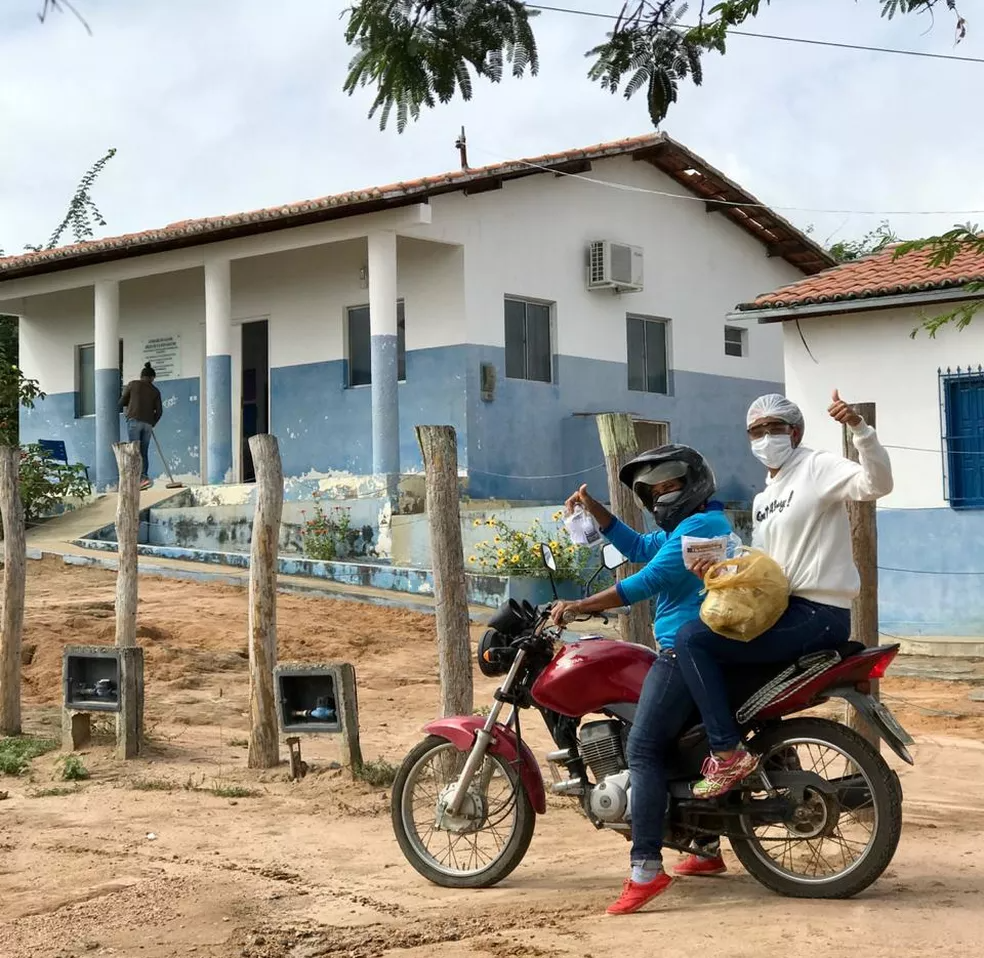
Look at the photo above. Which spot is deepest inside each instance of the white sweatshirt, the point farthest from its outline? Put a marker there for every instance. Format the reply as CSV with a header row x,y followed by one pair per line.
x,y
801,519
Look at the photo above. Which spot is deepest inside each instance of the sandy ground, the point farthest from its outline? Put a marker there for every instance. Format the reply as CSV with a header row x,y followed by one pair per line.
x,y
311,868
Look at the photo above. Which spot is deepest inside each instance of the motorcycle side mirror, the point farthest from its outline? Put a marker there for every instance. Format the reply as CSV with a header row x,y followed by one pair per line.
x,y
612,558
548,557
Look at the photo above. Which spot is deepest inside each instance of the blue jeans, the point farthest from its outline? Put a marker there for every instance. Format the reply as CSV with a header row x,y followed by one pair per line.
x,y
805,627
664,707
140,432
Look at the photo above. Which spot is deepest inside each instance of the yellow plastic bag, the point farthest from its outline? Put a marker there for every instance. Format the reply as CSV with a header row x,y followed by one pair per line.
x,y
746,596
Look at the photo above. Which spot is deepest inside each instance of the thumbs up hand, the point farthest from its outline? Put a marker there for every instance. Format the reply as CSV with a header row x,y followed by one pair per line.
x,y
842,412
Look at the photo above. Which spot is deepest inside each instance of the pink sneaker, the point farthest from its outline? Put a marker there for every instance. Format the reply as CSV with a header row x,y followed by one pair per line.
x,y
635,894
723,774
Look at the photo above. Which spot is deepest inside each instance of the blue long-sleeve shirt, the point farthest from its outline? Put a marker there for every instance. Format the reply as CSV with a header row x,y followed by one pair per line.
x,y
665,577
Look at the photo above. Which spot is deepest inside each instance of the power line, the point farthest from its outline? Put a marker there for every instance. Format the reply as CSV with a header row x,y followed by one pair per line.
x,y
626,188
771,36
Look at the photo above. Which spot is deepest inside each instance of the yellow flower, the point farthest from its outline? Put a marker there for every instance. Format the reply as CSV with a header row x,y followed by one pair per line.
x,y
497,539
500,563
471,558
515,559
478,522
557,516
554,545
501,552
490,522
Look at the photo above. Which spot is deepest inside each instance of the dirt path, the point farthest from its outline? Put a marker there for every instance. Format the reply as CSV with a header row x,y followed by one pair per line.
x,y
311,869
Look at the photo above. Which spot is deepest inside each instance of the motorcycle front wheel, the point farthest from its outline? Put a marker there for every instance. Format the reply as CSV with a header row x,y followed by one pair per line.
x,y
487,839
841,837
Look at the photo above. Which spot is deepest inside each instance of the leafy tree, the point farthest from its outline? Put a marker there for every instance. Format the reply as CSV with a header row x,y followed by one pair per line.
x,y
418,53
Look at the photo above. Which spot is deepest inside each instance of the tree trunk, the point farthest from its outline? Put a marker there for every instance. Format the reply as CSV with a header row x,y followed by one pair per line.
x,y
619,444
127,530
864,542
439,447
14,582
264,745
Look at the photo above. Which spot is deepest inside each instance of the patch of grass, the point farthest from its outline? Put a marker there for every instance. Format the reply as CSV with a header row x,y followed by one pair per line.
x,y
482,710
239,742
16,753
57,791
379,774
151,785
73,769
231,791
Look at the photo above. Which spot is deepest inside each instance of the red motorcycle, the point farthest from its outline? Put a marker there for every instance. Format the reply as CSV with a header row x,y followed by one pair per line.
x,y
820,819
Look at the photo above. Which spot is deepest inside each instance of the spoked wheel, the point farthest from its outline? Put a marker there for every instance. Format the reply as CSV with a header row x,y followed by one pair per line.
x,y
840,837
483,843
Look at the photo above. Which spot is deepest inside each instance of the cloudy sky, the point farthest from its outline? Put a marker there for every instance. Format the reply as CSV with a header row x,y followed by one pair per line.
x,y
217,106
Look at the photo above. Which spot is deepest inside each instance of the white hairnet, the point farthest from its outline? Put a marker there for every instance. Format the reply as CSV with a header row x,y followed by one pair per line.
x,y
775,406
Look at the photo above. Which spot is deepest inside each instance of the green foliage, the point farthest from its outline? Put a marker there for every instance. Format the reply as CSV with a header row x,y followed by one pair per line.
x,y
419,53
16,753
517,552
72,769
328,533
57,791
46,483
940,252
379,774
232,791
16,389
875,241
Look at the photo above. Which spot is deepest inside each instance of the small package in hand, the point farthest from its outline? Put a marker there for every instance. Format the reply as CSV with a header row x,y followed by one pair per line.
x,y
582,528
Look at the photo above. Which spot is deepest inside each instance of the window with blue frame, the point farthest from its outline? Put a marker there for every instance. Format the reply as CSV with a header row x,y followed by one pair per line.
x,y
962,414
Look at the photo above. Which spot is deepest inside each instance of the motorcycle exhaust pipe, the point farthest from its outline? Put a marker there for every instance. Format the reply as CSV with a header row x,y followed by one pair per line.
x,y
561,757
569,786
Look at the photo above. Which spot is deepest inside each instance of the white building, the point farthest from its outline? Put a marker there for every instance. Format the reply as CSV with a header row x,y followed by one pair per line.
x,y
851,328
480,317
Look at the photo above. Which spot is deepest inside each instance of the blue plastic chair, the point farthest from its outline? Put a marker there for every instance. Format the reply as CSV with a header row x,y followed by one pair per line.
x,y
55,449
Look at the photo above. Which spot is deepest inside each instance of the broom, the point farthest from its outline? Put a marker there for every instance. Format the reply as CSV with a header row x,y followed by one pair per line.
x,y
173,484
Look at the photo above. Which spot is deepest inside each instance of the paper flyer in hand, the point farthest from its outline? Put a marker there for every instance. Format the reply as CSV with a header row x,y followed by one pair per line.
x,y
695,549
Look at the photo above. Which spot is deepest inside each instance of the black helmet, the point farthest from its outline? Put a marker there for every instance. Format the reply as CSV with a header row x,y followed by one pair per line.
x,y
659,465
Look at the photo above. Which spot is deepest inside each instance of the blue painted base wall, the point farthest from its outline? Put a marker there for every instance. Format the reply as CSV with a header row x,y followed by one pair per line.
x,y
931,572
178,431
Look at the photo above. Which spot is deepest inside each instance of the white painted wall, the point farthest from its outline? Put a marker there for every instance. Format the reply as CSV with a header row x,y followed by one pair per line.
x,y
870,357
529,239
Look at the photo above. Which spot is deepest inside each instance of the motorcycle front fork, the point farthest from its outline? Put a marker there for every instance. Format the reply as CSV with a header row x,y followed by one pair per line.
x,y
483,739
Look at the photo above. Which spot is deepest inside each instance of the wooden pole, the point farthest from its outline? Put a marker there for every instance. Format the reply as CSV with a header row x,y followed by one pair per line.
x,y
127,529
264,744
129,720
619,444
864,542
439,447
14,584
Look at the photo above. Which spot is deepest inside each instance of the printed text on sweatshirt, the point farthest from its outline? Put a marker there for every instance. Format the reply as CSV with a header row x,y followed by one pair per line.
x,y
801,518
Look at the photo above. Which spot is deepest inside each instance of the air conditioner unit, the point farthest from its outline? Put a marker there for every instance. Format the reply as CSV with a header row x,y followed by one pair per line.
x,y
614,266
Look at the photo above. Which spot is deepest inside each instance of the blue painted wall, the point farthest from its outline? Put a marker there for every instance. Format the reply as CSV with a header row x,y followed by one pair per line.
x,y
178,431
931,572
533,429
322,425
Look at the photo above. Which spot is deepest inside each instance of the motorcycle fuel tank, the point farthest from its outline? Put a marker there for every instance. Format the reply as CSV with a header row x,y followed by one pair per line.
x,y
586,676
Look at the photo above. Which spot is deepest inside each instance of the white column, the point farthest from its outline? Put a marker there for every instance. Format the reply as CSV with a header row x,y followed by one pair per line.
x,y
106,352
218,371
384,366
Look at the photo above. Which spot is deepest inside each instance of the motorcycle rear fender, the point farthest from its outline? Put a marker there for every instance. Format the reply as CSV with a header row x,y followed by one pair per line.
x,y
867,707
460,731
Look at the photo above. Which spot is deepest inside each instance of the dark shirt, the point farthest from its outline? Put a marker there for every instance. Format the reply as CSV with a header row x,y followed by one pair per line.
x,y
141,400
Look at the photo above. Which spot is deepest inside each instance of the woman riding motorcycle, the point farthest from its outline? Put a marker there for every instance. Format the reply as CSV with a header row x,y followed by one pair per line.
x,y
675,484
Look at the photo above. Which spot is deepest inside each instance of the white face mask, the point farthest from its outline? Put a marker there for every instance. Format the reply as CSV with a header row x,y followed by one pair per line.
x,y
772,451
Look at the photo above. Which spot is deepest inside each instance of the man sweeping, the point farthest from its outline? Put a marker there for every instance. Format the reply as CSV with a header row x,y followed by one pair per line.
x,y
141,401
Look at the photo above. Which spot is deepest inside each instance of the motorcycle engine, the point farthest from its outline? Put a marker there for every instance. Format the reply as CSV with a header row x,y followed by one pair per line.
x,y
600,745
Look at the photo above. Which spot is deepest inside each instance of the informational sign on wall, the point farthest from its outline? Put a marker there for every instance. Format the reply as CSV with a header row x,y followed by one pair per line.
x,y
164,354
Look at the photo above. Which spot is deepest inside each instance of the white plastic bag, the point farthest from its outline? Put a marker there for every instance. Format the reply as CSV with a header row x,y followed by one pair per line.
x,y
582,528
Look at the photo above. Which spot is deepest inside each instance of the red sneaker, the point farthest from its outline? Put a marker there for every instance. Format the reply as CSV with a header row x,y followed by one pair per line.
x,y
635,895
693,866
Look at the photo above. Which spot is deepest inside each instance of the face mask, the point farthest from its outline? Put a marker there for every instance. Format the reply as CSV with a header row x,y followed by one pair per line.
x,y
663,506
772,451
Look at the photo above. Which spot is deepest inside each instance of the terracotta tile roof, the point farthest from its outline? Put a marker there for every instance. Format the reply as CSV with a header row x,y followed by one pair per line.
x,y
878,275
781,238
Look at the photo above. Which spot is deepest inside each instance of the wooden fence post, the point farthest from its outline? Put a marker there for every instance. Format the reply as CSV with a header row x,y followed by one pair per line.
x,y
619,444
264,744
864,542
439,447
129,721
14,584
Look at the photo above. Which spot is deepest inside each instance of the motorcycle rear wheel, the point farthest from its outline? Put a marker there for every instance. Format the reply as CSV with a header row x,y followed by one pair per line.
x,y
487,870
874,849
